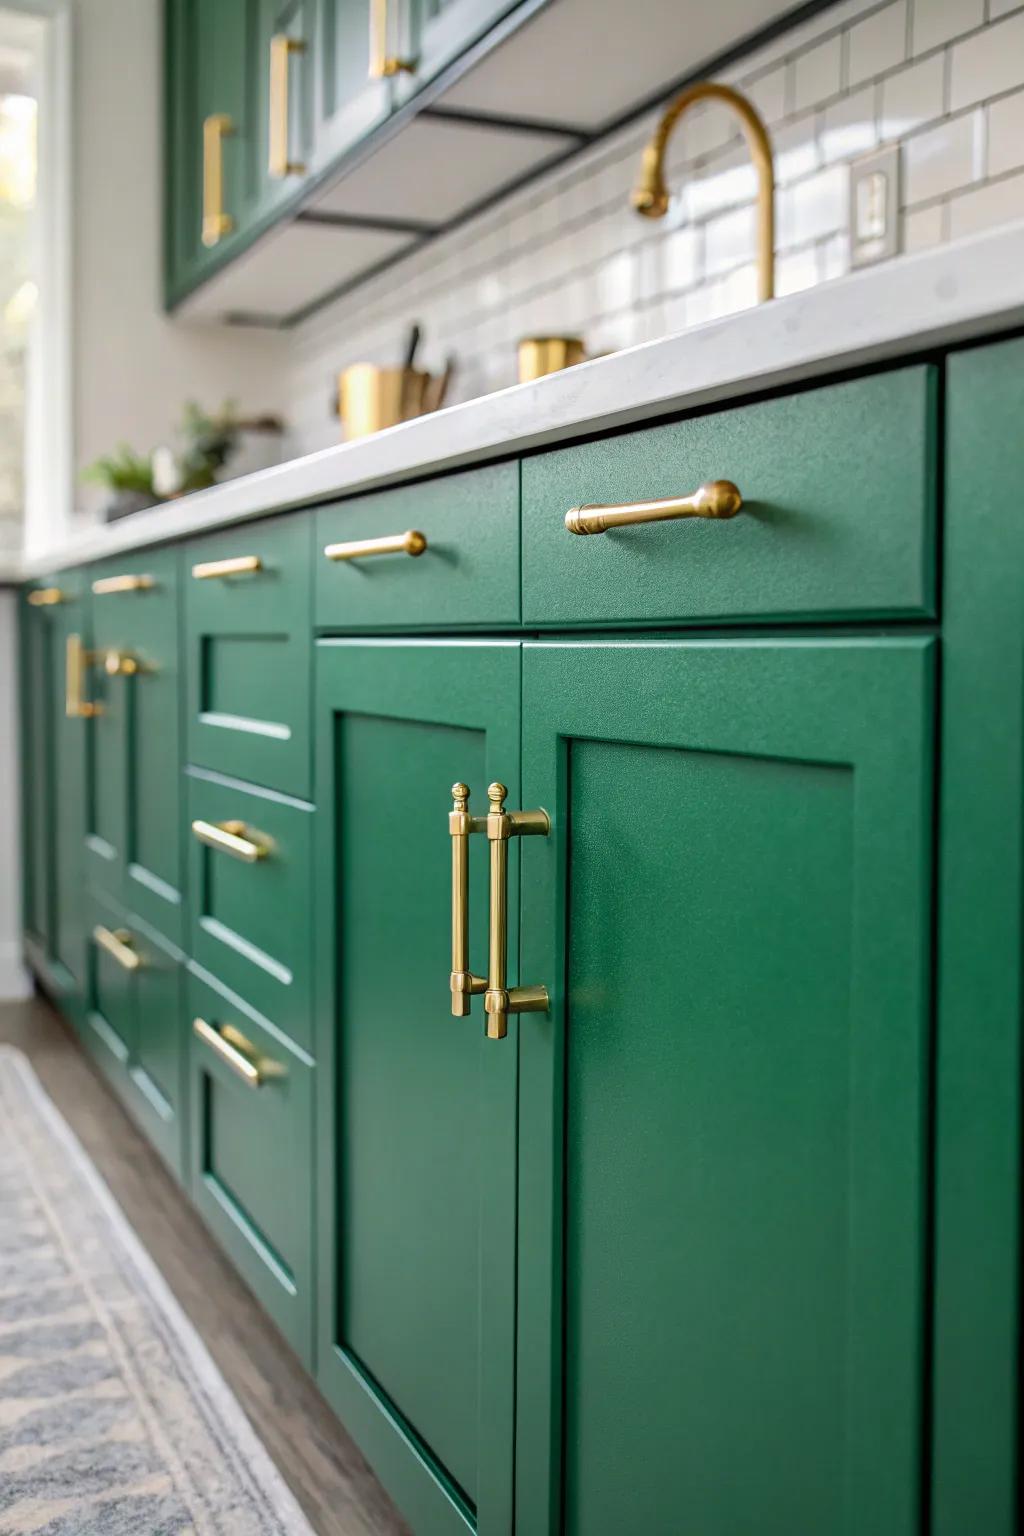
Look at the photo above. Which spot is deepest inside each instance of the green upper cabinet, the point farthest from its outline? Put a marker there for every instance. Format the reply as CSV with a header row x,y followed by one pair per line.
x,y
979,1111
135,691
723,1146
416,1111
286,72
350,98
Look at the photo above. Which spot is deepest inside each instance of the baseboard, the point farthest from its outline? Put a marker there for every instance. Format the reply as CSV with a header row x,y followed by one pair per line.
x,y
15,980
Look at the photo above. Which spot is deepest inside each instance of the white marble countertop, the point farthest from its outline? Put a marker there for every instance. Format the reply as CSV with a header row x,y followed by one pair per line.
x,y
970,289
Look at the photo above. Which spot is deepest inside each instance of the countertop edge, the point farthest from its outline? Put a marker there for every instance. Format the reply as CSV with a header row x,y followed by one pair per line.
x,y
953,293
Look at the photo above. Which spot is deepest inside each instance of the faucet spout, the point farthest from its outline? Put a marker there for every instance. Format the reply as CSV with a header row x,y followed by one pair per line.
x,y
650,196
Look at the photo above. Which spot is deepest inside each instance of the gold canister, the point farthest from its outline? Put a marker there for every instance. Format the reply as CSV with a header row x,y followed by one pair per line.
x,y
371,398
539,355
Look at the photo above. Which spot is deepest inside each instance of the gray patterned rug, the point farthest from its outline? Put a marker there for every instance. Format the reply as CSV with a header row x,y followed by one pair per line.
x,y
114,1421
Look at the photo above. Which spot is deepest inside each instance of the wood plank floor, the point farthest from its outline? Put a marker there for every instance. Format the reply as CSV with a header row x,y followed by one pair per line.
x,y
328,1475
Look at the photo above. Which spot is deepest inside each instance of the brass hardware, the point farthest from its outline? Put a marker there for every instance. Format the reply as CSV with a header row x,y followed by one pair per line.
x,y
240,565
118,944
114,663
540,355
372,398
383,62
715,499
231,837
499,998
76,659
216,223
107,585
45,597
410,543
650,197
238,1053
281,49
464,985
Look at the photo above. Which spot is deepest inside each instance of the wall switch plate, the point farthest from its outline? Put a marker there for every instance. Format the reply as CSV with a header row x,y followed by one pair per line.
x,y
875,207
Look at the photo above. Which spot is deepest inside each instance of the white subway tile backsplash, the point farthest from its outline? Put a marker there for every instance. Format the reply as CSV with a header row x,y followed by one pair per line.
x,y
988,63
911,97
938,21
816,75
985,207
941,159
1006,134
567,253
878,43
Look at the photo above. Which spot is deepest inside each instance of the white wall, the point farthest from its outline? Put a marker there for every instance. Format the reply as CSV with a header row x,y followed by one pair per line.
x,y
133,368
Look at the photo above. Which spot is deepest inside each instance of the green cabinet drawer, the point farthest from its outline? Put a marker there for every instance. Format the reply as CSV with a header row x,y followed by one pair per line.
x,y
249,896
468,573
252,1166
247,634
133,848
839,493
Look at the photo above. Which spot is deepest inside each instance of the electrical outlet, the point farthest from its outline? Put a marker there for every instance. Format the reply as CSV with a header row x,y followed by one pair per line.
x,y
875,207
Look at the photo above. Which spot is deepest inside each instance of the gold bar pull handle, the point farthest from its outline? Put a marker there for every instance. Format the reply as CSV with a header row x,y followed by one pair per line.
x,y
411,542
714,499
232,837
216,223
45,597
281,49
238,565
500,999
76,658
461,825
117,942
108,585
385,60
238,1053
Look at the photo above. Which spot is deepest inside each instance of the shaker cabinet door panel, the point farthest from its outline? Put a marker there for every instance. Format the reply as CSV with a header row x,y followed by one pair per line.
x,y
416,1110
722,1158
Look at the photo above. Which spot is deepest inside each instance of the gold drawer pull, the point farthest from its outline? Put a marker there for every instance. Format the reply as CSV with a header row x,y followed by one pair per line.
x,y
230,837
76,659
499,998
240,565
716,499
281,49
383,62
45,597
410,543
107,585
118,944
216,223
238,1053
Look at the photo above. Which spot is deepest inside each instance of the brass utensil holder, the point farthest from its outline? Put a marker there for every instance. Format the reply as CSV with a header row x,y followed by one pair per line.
x,y
539,355
372,398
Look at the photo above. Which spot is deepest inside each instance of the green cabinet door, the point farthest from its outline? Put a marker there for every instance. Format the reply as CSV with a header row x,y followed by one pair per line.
x,y
134,842
285,58
349,100
976,1476
416,1110
722,1202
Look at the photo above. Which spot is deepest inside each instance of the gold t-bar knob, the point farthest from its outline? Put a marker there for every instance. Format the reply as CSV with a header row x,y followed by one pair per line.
x,y
715,499
464,985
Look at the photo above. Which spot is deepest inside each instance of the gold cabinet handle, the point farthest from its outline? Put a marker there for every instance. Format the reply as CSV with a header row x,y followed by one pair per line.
x,y
238,565
231,837
281,49
716,499
216,223
45,597
118,944
238,1053
76,658
410,543
384,61
500,825
108,585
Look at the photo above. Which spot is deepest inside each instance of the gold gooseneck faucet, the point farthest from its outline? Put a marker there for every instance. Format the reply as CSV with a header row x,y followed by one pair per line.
x,y
650,196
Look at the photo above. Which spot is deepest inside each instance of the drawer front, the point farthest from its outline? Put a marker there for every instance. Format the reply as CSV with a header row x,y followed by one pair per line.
x,y
468,573
249,906
252,1154
838,517
248,656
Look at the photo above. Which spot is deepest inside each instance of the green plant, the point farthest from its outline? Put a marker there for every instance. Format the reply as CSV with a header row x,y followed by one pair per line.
x,y
208,442
122,470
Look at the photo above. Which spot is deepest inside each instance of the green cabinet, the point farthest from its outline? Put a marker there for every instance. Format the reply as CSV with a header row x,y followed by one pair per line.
x,y
55,611
133,843
416,1111
723,1150
977,1429
349,99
